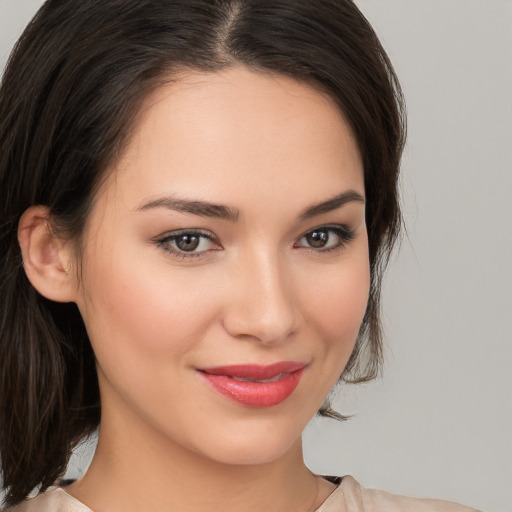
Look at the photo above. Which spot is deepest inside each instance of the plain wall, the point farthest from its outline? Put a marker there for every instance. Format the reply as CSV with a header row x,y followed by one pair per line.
x,y
439,423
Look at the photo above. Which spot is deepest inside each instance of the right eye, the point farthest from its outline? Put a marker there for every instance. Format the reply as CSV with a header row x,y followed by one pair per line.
x,y
186,244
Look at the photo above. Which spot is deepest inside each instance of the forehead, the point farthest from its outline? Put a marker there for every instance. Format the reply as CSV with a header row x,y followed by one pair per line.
x,y
228,132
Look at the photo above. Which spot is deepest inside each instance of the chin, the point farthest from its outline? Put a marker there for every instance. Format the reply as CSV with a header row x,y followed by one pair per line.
x,y
252,455
254,444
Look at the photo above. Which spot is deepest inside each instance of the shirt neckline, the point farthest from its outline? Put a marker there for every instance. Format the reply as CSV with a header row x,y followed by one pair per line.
x,y
332,497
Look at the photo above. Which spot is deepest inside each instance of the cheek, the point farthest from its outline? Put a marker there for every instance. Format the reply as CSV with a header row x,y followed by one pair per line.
x,y
136,313
346,304
339,305
335,313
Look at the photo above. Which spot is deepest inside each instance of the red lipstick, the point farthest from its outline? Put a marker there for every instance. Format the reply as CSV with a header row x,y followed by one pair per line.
x,y
256,385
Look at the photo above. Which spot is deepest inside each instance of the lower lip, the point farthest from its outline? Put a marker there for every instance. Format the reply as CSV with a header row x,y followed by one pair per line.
x,y
255,394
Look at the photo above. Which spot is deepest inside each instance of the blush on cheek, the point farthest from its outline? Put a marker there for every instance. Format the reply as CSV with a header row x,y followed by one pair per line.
x,y
144,323
146,317
342,301
339,311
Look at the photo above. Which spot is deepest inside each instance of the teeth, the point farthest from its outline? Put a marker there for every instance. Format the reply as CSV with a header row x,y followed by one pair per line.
x,y
272,379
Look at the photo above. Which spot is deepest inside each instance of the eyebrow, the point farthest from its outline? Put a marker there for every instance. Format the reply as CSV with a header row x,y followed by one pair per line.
x,y
201,208
207,209
350,196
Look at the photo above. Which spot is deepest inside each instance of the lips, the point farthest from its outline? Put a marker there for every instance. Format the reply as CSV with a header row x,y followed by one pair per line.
x,y
255,385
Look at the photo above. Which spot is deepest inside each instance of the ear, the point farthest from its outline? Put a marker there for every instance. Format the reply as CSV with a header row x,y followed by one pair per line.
x,y
46,258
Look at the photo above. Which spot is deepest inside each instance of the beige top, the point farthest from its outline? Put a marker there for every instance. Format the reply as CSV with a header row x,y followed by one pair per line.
x,y
349,496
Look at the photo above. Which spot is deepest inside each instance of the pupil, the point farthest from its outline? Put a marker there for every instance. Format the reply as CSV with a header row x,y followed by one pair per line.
x,y
188,242
317,238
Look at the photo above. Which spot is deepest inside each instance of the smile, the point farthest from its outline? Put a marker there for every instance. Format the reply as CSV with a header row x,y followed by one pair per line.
x,y
255,385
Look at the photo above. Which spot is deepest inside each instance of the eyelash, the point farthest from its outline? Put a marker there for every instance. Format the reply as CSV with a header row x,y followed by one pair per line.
x,y
164,242
344,234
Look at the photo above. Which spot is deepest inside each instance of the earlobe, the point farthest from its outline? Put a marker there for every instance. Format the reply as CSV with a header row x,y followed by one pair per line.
x,y
46,259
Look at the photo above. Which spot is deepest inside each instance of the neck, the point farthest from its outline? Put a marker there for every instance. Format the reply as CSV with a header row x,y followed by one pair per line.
x,y
135,469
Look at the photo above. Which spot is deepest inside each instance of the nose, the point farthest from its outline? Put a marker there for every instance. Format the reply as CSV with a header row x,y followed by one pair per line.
x,y
262,306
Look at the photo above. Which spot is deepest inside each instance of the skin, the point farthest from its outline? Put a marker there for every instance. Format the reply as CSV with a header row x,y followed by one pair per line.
x,y
258,293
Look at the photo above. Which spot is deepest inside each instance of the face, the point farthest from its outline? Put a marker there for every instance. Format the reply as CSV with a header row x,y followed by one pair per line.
x,y
225,270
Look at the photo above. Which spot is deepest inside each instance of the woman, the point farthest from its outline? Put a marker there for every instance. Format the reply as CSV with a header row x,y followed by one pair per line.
x,y
198,201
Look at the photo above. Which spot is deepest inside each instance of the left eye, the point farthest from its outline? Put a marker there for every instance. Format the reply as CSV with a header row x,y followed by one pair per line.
x,y
326,237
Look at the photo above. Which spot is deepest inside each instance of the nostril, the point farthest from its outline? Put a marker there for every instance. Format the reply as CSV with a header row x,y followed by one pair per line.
x,y
260,329
262,306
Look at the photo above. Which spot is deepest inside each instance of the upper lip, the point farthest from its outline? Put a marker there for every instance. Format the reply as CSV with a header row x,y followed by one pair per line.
x,y
255,371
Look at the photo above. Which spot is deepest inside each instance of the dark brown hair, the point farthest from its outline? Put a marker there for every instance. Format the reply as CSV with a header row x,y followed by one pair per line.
x,y
69,96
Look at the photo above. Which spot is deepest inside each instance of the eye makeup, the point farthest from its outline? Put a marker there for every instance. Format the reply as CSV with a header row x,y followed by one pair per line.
x,y
194,243
189,243
327,238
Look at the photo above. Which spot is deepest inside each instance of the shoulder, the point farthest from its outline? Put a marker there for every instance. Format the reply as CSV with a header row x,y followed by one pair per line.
x,y
352,497
53,500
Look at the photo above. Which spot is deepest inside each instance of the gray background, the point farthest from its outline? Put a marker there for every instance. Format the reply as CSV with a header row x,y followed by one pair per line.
x,y
439,423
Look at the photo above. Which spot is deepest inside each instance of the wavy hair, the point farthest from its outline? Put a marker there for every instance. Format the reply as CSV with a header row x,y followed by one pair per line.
x,y
69,96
